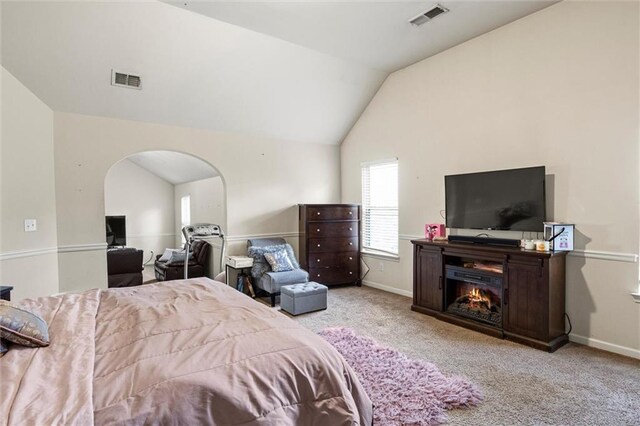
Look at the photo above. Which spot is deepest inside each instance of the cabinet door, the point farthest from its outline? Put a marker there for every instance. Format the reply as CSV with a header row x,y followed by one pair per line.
x,y
429,279
525,300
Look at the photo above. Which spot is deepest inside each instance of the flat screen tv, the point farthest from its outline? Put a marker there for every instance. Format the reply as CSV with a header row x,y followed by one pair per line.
x,y
509,200
116,231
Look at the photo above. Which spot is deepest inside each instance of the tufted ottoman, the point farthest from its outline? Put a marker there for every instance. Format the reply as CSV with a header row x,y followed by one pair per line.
x,y
302,298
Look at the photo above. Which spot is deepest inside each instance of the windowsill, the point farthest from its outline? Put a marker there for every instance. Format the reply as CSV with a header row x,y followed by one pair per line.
x,y
381,255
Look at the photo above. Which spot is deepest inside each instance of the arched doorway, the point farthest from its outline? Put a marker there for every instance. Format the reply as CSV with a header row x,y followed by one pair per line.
x,y
149,196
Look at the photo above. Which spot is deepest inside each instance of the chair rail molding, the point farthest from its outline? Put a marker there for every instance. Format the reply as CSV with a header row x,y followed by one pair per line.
x,y
8,255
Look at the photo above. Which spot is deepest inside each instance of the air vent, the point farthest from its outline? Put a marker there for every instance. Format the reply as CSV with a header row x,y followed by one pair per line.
x,y
126,80
428,15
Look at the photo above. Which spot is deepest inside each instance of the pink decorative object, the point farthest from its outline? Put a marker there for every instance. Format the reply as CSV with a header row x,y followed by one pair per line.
x,y
432,230
404,391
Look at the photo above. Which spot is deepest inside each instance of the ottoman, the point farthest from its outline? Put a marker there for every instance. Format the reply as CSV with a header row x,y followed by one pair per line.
x,y
302,298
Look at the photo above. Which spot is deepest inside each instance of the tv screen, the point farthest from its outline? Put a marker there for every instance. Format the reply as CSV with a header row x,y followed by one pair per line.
x,y
512,200
116,231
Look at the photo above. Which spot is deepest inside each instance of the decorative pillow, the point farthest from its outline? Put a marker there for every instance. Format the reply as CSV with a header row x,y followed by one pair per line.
x,y
260,264
167,254
3,348
177,256
279,261
20,326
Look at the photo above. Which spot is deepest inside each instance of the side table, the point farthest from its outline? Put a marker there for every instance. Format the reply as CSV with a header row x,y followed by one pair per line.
x,y
238,270
5,292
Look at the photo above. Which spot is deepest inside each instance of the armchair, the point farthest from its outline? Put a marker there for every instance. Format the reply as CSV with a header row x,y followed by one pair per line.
x,y
197,264
124,267
270,281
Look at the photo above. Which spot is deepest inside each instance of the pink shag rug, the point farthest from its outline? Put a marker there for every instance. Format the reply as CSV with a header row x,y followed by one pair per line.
x,y
404,391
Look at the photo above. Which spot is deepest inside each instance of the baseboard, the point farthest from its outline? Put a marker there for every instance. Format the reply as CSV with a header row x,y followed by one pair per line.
x,y
383,287
605,346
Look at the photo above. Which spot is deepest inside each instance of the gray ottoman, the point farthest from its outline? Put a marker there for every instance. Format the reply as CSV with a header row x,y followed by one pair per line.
x,y
302,298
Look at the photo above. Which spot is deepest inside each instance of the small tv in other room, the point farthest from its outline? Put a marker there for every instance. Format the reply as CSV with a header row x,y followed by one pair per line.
x,y
509,200
116,231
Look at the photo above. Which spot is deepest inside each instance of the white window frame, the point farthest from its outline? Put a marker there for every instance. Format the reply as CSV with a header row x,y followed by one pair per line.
x,y
185,214
387,245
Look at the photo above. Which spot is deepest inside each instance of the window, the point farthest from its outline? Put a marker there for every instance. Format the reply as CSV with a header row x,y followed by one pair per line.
x,y
185,213
380,206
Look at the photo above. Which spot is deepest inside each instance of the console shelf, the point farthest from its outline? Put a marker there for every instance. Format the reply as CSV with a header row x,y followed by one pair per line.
x,y
524,296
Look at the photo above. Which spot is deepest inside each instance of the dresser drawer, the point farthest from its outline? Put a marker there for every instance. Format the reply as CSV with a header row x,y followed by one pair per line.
x,y
332,229
332,213
333,275
340,260
329,245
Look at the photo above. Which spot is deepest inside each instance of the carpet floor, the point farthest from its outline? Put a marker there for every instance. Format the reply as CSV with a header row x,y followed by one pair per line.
x,y
576,385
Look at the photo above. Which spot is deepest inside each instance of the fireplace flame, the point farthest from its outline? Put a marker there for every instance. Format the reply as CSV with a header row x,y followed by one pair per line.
x,y
476,296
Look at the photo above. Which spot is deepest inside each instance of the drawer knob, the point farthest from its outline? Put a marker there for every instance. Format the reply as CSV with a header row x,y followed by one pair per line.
x,y
350,229
318,245
350,213
318,230
350,243
350,258
318,275
318,260
318,213
350,273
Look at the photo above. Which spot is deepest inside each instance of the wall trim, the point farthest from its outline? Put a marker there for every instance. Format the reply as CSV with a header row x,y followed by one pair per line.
x,y
150,235
8,255
405,293
605,346
589,254
232,238
82,247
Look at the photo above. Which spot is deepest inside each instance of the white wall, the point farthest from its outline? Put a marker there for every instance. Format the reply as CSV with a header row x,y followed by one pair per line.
x,y
265,179
557,88
147,202
28,260
207,206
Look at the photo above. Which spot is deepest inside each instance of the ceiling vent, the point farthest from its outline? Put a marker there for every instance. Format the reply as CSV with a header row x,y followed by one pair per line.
x,y
126,80
428,15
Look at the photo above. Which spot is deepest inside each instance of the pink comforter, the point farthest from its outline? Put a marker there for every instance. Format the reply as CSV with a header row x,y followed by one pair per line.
x,y
181,352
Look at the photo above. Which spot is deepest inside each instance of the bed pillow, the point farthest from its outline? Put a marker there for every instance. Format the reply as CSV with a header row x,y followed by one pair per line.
x,y
260,264
3,348
22,327
279,261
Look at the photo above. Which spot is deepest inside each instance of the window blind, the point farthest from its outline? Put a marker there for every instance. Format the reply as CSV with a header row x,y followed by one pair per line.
x,y
380,206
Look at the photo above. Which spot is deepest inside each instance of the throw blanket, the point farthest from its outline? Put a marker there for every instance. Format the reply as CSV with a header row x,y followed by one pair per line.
x,y
181,352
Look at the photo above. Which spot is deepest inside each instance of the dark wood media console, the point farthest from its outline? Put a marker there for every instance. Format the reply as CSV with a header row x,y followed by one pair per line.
x,y
506,292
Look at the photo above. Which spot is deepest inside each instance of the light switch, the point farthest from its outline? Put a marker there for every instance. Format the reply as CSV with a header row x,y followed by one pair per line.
x,y
30,225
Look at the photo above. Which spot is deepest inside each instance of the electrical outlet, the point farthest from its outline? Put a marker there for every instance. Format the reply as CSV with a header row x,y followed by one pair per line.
x,y
380,266
30,225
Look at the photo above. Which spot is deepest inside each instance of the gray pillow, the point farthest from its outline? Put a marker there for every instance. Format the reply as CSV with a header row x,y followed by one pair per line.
x,y
22,327
260,264
178,256
279,261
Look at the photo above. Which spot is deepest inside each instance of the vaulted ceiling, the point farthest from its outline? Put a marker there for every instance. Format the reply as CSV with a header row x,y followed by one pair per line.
x,y
300,71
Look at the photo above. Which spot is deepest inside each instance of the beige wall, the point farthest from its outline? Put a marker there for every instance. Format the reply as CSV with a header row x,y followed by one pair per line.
x,y
264,179
28,260
147,202
557,88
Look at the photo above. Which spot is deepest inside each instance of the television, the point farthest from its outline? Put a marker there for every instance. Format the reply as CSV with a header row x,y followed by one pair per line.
x,y
116,231
506,200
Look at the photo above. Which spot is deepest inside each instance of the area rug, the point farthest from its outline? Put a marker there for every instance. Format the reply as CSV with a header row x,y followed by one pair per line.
x,y
404,391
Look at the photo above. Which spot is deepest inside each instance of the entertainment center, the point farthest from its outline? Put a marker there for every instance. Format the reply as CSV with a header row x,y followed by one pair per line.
x,y
506,292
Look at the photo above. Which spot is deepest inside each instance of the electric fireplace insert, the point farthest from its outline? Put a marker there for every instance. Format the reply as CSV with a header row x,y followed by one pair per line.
x,y
474,294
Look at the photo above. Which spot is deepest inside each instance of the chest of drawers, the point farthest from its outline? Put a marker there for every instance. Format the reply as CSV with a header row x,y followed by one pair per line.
x,y
330,242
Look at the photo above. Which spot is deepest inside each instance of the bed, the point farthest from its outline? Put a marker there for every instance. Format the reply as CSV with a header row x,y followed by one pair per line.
x,y
181,352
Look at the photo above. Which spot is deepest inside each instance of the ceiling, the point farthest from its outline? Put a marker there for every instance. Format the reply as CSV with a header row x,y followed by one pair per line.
x,y
174,167
373,33
298,71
